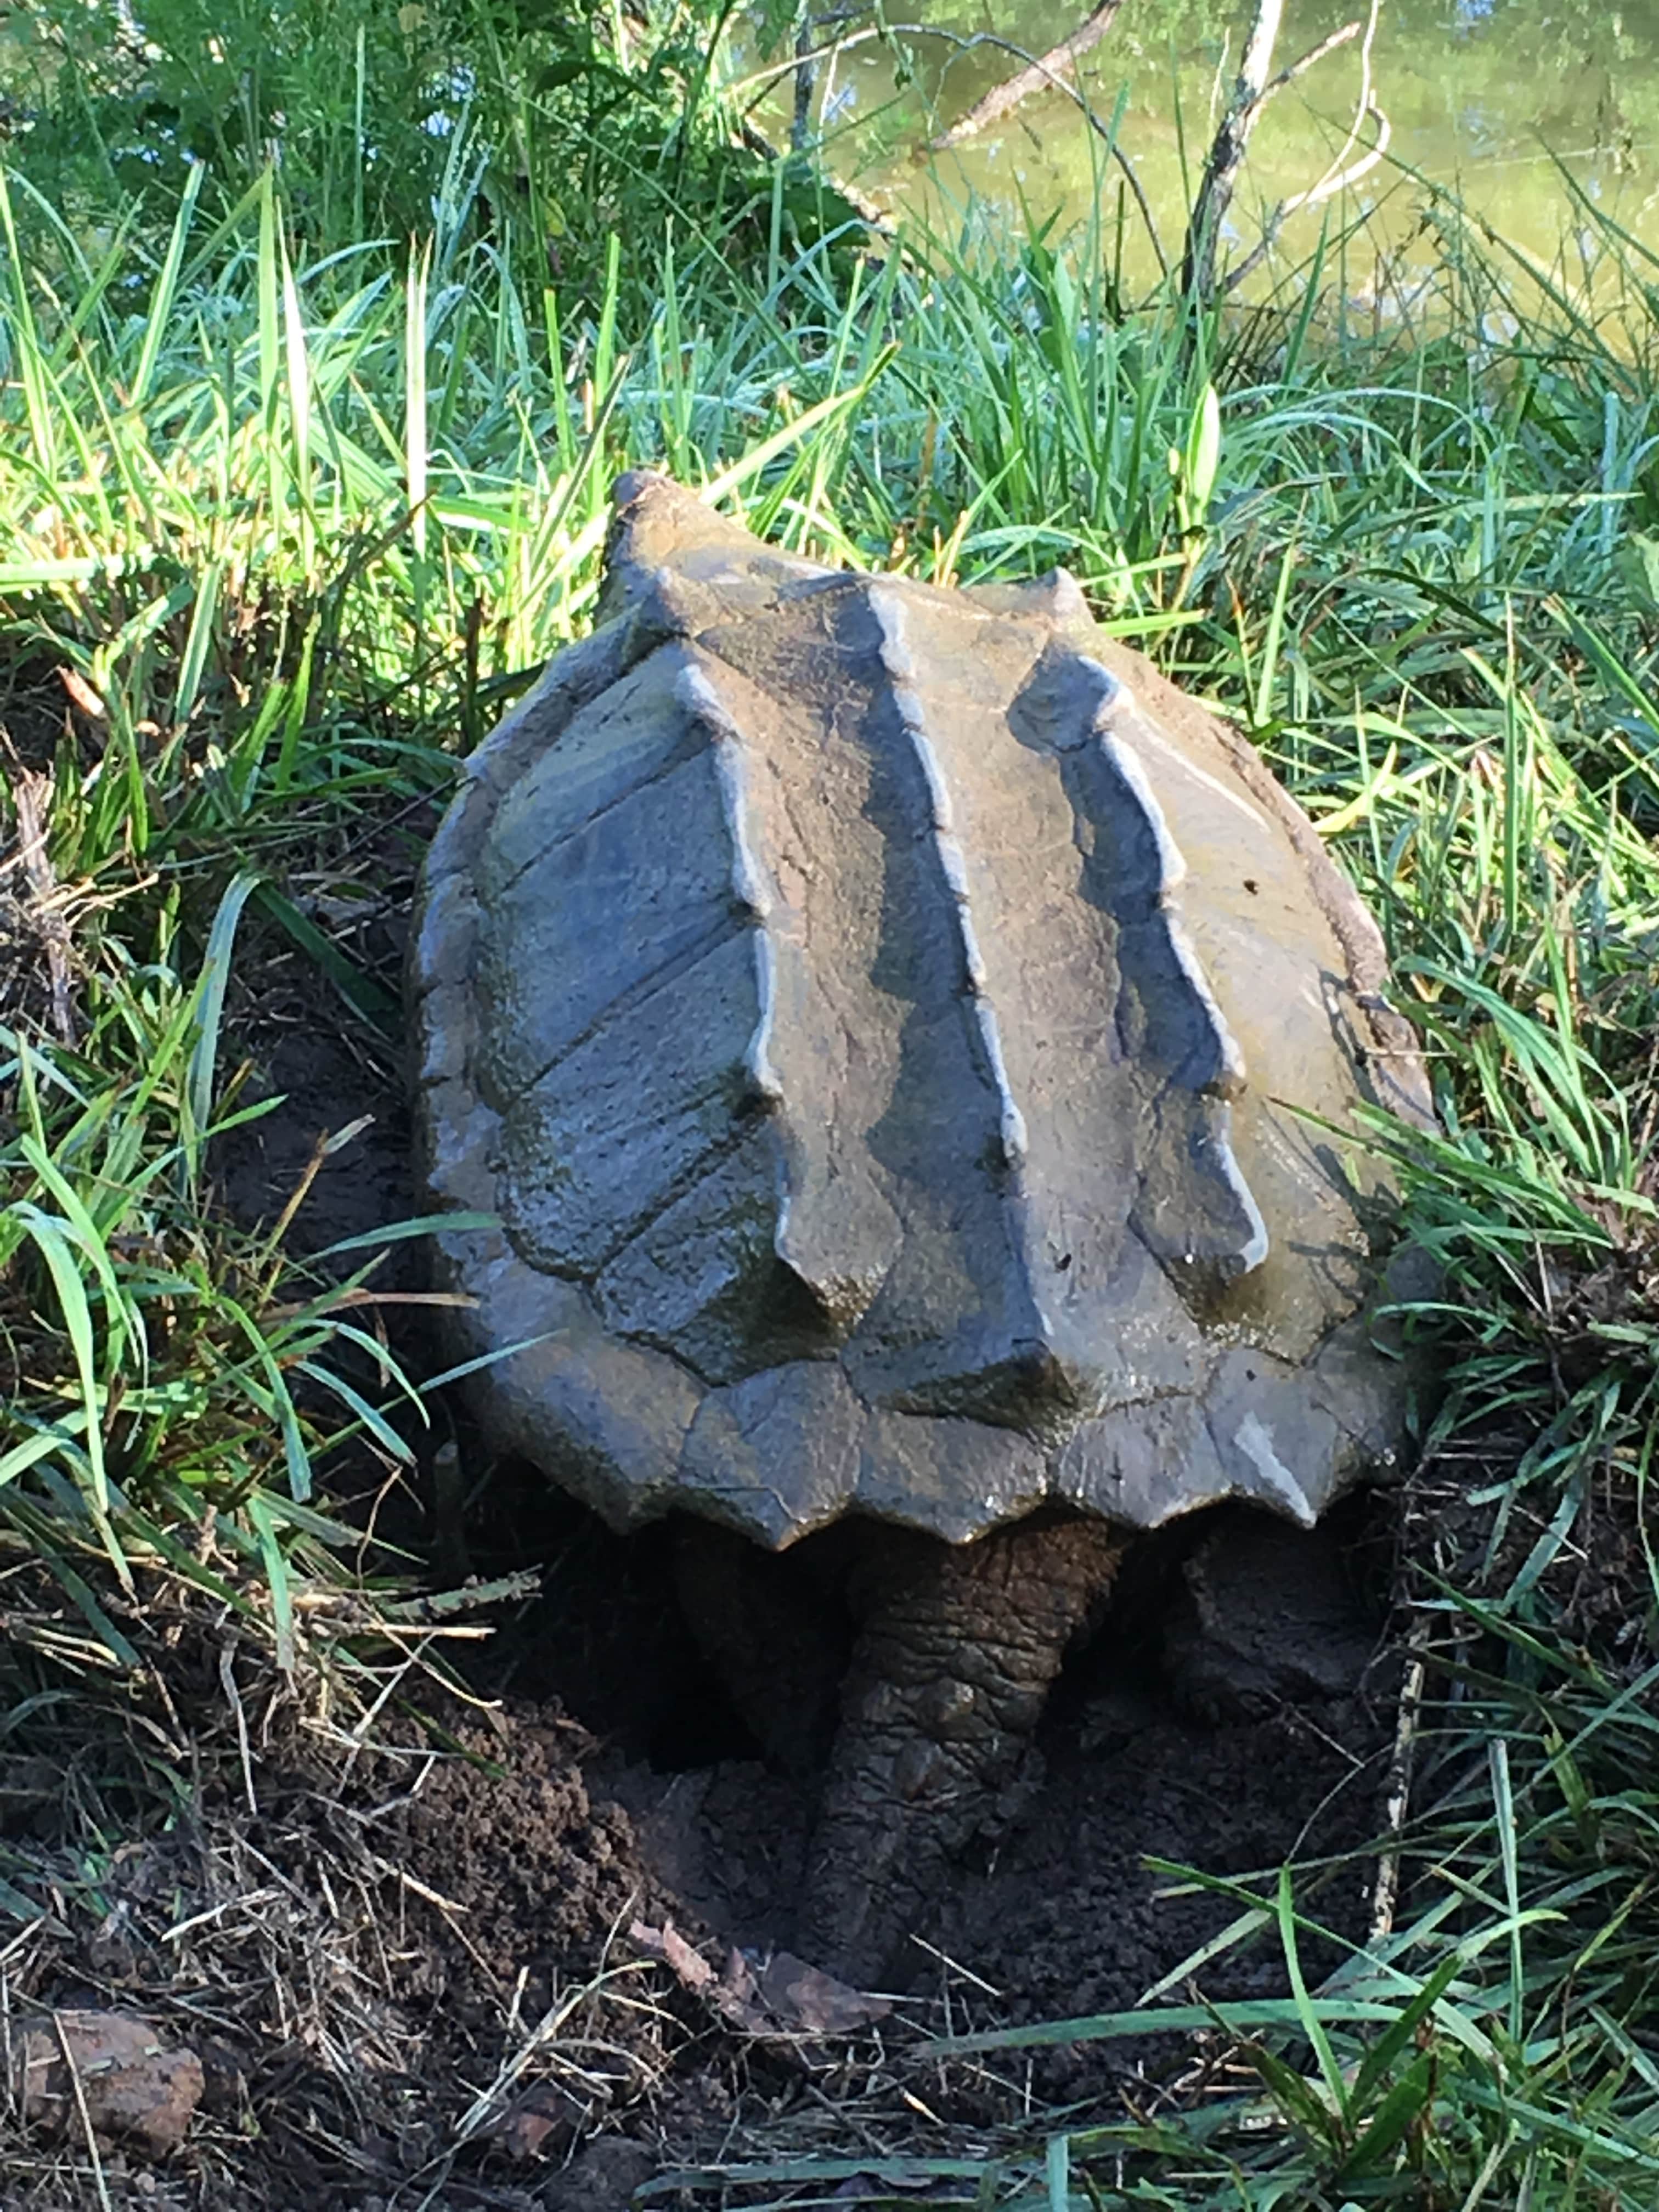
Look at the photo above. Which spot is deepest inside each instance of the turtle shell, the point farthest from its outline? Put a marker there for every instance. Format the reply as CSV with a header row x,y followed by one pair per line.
x,y
906,1050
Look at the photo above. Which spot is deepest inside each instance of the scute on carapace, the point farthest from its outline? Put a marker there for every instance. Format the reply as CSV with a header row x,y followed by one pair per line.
x,y
900,1037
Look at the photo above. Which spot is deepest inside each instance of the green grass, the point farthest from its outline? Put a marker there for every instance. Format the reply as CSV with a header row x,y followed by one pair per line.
x,y
298,528
560,127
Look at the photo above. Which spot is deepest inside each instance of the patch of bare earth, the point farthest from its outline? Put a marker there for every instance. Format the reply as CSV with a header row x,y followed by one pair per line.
x,y
398,1963
421,1962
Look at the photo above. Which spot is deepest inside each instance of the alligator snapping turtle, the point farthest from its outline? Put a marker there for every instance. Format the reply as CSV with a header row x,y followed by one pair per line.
x,y
877,1016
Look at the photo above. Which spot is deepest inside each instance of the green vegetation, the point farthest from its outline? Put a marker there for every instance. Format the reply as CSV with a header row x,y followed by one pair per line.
x,y
554,131
288,512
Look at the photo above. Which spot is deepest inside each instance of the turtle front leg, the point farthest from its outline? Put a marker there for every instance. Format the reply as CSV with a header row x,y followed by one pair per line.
x,y
956,1650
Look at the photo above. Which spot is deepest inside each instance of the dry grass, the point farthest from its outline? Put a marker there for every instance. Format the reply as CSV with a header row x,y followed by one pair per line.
x,y
241,1858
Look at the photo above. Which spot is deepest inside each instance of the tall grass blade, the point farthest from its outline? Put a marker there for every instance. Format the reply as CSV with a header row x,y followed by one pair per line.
x,y
158,323
209,1015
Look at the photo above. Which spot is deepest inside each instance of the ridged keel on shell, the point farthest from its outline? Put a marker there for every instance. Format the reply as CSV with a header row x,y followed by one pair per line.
x,y
853,1007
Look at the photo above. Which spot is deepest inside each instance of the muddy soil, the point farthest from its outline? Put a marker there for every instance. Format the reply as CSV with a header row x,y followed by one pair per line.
x,y
1057,1916
375,1943
421,1913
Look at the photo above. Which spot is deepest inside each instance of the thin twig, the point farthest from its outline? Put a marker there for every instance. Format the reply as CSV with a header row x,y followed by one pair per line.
x,y
359,1735
1386,1893
1251,91
485,2107
1056,64
80,2094
1303,63
227,1677
1336,178
14,2088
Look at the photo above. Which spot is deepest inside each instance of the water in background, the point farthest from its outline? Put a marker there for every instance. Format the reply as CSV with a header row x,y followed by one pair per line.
x,y
1514,104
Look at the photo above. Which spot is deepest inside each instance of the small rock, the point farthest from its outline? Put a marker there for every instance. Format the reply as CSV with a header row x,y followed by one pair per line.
x,y
601,2177
135,2085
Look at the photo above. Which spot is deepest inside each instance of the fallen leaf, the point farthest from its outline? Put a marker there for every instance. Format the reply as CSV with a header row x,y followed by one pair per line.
x,y
538,2124
82,693
779,1995
814,2002
134,2083
690,1969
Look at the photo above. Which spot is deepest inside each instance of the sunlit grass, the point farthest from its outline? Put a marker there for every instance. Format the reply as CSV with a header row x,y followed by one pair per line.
x,y
297,532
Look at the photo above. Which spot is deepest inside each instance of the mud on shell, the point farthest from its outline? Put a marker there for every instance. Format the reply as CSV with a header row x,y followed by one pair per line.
x,y
906,1045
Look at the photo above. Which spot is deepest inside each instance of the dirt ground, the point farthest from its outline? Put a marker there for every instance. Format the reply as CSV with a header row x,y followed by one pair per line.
x,y
400,1935
422,1965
